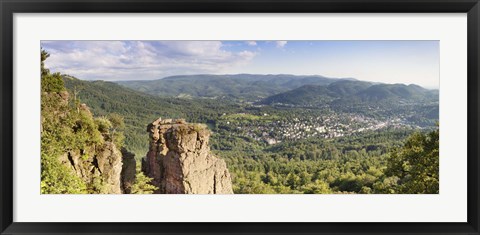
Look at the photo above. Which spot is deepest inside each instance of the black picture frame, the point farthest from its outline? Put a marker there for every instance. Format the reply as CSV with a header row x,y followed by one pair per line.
x,y
9,7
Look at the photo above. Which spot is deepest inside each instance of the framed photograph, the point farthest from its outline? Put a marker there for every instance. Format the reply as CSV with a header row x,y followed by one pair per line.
x,y
229,117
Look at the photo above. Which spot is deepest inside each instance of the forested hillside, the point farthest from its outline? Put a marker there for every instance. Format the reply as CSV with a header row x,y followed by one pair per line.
x,y
81,153
242,117
139,109
247,87
377,162
349,91
275,149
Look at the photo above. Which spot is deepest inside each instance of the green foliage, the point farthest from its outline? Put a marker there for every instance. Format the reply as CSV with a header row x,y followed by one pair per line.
x,y
43,56
97,186
317,187
199,127
85,131
117,121
67,128
142,184
388,185
58,179
351,164
139,109
57,138
302,96
341,165
242,86
104,125
85,156
49,82
116,130
52,83
416,164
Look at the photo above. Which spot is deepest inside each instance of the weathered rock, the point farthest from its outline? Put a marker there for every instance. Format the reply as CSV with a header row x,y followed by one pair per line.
x,y
65,96
103,164
98,163
110,165
179,160
128,170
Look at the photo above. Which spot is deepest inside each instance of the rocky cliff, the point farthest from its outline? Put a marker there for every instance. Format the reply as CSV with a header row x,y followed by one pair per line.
x,y
128,170
87,153
180,162
99,166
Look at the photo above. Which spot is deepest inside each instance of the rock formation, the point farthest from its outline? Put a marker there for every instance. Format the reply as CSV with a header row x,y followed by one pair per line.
x,y
102,164
128,170
98,165
180,162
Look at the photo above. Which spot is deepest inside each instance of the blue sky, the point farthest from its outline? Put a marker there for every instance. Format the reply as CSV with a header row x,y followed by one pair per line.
x,y
405,62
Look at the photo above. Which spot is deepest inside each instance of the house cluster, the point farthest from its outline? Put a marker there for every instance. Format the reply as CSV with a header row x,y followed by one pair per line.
x,y
326,126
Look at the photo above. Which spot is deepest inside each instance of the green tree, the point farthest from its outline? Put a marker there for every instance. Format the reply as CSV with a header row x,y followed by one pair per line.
x,y
50,82
43,56
58,179
104,125
63,131
142,184
416,164
116,130
317,187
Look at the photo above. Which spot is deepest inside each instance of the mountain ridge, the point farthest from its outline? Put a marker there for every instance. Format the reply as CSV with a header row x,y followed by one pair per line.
x,y
248,87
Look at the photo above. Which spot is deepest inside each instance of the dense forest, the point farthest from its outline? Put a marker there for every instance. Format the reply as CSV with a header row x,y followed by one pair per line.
x,y
68,128
376,162
287,139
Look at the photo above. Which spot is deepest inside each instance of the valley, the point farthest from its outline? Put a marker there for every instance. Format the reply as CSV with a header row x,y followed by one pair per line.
x,y
296,135
241,117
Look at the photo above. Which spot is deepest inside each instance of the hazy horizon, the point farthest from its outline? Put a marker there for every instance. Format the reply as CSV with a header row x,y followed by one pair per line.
x,y
299,75
404,62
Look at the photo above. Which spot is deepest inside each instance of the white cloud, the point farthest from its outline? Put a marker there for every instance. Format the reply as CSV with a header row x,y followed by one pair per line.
x,y
128,60
281,44
247,55
251,43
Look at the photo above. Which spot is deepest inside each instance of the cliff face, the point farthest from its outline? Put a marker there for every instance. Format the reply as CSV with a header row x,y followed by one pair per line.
x,y
97,165
180,162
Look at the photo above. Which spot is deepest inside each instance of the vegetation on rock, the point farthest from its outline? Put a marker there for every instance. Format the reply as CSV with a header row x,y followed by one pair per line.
x,y
73,143
276,133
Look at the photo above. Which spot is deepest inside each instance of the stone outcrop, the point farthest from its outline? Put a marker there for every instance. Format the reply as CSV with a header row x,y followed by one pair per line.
x,y
180,162
128,171
97,165
79,146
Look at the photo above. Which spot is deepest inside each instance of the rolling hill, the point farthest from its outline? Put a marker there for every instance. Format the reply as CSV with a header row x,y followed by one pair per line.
x,y
352,91
249,87
140,109
186,97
